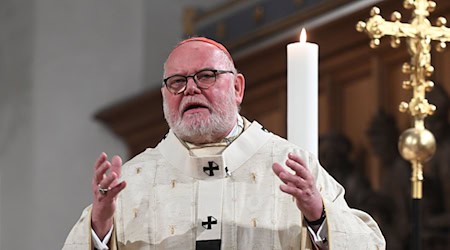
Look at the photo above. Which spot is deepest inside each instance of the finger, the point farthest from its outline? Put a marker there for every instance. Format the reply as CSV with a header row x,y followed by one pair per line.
x,y
298,165
107,182
99,174
290,189
116,165
114,182
113,192
296,158
295,180
100,160
277,168
117,189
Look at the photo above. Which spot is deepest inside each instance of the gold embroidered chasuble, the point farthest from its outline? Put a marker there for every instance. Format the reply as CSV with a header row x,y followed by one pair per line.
x,y
171,200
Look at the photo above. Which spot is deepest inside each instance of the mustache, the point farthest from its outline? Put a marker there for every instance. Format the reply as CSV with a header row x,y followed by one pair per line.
x,y
193,102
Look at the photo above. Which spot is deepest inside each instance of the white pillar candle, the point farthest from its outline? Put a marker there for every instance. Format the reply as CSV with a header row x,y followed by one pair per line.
x,y
303,94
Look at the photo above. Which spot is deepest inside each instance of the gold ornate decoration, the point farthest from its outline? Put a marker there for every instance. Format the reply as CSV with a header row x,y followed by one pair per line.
x,y
416,144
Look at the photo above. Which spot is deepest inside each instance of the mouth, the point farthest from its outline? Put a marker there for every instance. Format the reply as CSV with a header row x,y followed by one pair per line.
x,y
194,107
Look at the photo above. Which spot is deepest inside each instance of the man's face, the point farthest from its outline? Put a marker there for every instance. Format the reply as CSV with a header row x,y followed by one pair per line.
x,y
202,115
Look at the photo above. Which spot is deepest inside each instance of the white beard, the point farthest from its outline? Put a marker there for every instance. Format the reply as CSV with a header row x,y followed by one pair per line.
x,y
222,119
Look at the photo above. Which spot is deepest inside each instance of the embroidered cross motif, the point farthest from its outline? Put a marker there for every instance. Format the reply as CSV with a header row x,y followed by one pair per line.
x,y
211,167
208,224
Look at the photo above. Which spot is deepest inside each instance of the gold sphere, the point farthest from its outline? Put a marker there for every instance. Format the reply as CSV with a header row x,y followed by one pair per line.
x,y
360,26
374,43
374,11
403,107
417,144
395,42
396,16
441,47
429,86
406,84
406,68
431,6
432,109
408,4
429,70
441,21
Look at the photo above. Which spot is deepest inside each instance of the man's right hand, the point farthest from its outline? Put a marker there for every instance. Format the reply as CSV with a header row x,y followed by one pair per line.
x,y
104,204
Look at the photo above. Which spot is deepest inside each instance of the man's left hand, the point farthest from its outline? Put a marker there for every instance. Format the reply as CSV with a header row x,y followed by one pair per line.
x,y
301,185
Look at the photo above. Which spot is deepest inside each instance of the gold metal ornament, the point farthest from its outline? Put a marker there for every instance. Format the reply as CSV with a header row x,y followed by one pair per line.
x,y
416,144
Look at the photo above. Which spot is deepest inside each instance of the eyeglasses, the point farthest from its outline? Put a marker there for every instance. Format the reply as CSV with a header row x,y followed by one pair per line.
x,y
204,79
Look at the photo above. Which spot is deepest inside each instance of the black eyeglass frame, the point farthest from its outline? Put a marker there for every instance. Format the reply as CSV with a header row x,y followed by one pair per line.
x,y
216,72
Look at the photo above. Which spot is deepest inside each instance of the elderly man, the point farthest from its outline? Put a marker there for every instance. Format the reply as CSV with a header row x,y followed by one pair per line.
x,y
217,181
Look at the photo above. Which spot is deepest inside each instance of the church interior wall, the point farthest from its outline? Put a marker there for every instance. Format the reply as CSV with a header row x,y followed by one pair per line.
x,y
16,122
86,53
63,62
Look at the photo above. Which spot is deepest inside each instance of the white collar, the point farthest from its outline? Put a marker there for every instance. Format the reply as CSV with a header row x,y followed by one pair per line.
x,y
234,156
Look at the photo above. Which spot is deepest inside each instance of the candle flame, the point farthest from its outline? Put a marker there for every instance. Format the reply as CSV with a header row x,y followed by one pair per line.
x,y
303,36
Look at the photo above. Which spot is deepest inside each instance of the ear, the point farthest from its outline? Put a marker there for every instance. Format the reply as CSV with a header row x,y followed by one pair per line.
x,y
239,86
162,91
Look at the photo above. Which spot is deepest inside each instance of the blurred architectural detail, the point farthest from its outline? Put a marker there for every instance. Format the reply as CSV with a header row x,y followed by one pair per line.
x,y
395,192
249,22
437,175
335,156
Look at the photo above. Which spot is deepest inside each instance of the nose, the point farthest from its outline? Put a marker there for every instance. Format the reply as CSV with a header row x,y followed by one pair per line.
x,y
191,87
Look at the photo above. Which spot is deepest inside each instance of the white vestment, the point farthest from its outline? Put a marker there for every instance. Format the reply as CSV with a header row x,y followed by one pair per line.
x,y
162,206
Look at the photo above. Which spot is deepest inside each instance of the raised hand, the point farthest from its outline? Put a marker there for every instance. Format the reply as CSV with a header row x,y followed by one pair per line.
x,y
105,188
301,185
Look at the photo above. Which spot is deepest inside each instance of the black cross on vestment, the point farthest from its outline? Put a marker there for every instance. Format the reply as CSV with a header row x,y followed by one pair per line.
x,y
211,167
208,224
